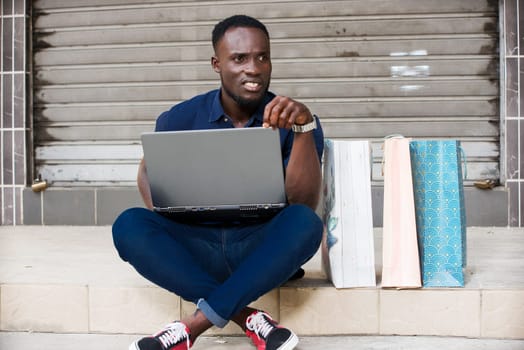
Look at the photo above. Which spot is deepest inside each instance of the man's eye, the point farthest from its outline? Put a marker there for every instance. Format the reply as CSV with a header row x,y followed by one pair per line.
x,y
239,59
262,58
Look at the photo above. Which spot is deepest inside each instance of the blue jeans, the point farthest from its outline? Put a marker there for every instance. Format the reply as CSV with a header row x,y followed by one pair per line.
x,y
221,268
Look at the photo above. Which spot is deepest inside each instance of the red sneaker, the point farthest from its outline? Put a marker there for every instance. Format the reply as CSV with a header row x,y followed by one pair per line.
x,y
174,336
267,334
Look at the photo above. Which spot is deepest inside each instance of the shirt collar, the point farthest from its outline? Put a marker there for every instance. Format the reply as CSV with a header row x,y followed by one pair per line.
x,y
217,111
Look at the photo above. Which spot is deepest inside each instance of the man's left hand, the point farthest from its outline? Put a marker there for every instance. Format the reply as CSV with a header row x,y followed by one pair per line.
x,y
282,112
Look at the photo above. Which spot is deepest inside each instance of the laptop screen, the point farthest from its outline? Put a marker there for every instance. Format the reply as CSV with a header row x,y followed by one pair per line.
x,y
213,170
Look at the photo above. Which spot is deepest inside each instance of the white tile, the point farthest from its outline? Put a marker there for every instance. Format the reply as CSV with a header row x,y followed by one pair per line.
x,y
326,311
450,312
503,314
131,310
44,308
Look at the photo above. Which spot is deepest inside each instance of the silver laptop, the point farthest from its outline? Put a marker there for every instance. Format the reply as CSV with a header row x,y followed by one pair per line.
x,y
215,175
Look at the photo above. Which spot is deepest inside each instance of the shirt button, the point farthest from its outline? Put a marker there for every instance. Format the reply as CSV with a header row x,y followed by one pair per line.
x,y
225,119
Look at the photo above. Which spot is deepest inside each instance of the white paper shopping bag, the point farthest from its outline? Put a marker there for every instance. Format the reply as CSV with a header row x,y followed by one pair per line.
x,y
348,248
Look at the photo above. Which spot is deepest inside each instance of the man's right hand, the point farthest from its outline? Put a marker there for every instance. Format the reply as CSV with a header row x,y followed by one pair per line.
x,y
143,185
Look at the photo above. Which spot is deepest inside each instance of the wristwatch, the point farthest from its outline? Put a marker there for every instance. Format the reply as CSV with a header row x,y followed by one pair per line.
x,y
306,127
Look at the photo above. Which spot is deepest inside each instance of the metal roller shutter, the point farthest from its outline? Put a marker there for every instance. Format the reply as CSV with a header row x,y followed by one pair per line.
x,y
104,70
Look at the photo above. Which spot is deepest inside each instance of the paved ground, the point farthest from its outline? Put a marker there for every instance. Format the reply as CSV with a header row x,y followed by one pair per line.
x,y
48,341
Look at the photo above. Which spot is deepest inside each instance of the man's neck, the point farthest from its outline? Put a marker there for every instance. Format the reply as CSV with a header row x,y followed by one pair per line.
x,y
239,115
239,123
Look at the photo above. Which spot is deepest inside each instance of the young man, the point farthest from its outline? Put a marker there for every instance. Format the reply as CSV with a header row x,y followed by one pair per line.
x,y
223,267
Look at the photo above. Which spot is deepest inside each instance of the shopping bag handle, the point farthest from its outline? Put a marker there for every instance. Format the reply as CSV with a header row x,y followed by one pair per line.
x,y
461,149
390,136
394,136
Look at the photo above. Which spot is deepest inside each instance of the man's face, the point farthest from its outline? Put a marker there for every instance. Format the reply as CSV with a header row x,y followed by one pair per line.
x,y
242,58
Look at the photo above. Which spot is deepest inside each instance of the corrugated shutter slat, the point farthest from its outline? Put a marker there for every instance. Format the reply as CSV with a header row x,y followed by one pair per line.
x,y
105,69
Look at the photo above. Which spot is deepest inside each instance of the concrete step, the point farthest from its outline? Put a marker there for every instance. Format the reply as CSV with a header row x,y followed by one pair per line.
x,y
48,341
69,279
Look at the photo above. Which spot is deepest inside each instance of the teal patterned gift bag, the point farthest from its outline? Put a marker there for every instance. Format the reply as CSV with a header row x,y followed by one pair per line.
x,y
440,211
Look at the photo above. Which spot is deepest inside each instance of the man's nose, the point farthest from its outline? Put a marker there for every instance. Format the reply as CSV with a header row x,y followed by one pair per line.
x,y
252,66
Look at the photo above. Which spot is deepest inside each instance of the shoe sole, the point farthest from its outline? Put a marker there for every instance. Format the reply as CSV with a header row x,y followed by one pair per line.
x,y
290,343
134,346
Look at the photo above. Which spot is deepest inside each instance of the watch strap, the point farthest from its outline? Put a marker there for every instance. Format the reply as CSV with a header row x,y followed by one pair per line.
x,y
306,127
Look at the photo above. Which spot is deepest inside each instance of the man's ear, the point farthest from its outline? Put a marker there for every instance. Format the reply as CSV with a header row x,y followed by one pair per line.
x,y
215,64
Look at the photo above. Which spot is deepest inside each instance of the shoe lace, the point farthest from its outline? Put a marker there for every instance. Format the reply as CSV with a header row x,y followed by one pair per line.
x,y
259,323
173,334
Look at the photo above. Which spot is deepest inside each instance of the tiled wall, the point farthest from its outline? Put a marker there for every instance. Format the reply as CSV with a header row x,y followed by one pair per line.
x,y
13,104
513,66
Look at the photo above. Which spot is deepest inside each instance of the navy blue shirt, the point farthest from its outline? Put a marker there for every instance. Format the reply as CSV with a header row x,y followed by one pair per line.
x,y
205,112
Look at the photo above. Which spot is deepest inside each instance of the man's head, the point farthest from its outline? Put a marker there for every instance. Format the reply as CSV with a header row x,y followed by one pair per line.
x,y
235,21
243,60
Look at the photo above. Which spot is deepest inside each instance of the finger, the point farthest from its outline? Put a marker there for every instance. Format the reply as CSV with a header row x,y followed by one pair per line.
x,y
268,118
287,116
281,111
274,110
293,117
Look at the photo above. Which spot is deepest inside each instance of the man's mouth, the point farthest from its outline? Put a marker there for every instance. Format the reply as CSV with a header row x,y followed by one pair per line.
x,y
252,86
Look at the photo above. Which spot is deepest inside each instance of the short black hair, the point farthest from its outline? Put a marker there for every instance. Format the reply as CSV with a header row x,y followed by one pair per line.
x,y
234,22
